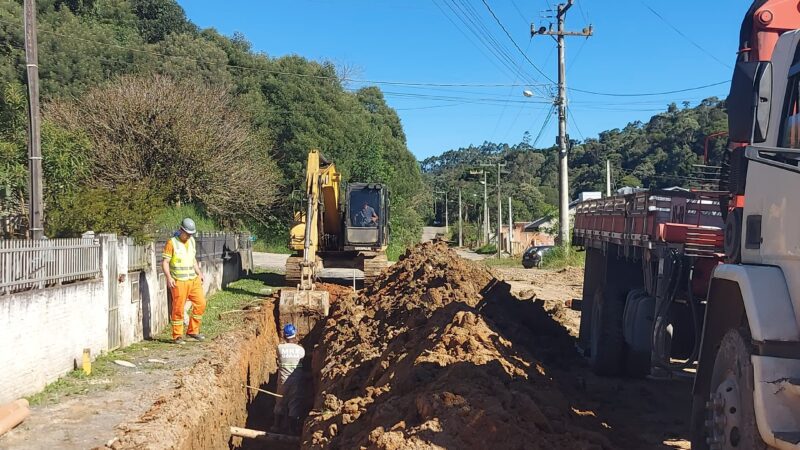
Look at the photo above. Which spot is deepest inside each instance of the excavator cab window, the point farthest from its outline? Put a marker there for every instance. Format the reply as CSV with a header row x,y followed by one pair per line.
x,y
365,208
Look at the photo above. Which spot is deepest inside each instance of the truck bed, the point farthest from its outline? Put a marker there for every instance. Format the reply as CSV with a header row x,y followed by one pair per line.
x,y
650,218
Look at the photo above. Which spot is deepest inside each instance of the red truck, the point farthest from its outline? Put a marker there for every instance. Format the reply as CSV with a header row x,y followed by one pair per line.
x,y
711,280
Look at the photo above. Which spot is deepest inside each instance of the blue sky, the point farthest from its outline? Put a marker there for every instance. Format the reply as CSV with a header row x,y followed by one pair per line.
x,y
459,42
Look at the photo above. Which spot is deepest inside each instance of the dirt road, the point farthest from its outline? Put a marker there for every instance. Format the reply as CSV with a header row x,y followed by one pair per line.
x,y
646,414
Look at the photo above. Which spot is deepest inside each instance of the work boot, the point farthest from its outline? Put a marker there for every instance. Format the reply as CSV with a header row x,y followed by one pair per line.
x,y
196,337
178,340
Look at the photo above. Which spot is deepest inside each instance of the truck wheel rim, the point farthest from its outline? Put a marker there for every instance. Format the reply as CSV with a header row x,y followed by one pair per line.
x,y
724,412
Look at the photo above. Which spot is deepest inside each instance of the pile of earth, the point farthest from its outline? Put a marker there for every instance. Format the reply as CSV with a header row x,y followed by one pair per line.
x,y
438,354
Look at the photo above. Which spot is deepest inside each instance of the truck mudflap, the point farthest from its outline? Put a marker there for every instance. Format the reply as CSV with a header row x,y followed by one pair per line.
x,y
776,398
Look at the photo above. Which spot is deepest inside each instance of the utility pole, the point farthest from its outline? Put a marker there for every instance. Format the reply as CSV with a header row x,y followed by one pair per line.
x,y
608,178
499,214
446,220
485,210
460,227
561,102
35,228
510,230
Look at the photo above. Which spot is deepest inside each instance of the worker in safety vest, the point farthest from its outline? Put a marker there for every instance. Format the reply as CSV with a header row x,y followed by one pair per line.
x,y
185,281
290,385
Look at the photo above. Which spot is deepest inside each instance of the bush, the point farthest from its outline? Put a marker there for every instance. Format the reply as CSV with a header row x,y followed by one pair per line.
x,y
188,137
561,257
169,219
488,249
128,210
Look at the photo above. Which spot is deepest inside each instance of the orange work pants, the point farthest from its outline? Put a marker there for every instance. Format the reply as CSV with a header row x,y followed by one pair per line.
x,y
193,291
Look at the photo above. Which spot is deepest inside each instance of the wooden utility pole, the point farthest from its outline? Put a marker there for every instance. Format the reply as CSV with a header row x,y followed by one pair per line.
x,y
608,178
561,102
36,185
460,226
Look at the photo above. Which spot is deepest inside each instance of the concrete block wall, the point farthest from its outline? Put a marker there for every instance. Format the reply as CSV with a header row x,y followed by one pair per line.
x,y
43,332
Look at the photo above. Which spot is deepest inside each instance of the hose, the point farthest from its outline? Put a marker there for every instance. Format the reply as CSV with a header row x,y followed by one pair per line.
x,y
660,325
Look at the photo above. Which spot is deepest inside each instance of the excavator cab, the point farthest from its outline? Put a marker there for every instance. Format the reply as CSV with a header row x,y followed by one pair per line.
x,y
366,217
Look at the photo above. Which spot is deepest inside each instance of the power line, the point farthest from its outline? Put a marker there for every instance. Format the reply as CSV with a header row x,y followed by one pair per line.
x,y
690,40
369,81
649,94
515,43
575,124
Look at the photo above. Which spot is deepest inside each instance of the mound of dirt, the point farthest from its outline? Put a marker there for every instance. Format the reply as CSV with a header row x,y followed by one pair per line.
x,y
438,354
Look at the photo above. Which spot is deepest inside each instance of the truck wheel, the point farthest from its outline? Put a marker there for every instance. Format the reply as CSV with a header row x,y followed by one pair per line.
x,y
638,331
607,346
730,416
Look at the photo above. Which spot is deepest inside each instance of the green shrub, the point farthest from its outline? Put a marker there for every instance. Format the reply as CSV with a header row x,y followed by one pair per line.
x,y
169,218
488,249
127,210
561,257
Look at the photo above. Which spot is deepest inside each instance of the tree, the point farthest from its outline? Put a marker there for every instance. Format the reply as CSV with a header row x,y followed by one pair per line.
x,y
159,18
183,137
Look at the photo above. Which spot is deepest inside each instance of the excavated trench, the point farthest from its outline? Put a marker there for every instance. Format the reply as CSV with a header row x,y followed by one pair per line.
x,y
209,397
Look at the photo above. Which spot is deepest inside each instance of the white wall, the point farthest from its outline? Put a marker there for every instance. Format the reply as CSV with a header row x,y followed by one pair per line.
x,y
43,332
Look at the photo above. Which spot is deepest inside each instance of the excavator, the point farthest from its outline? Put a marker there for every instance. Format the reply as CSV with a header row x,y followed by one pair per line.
x,y
332,232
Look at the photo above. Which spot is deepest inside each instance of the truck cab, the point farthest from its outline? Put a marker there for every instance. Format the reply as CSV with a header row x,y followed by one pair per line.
x,y
747,388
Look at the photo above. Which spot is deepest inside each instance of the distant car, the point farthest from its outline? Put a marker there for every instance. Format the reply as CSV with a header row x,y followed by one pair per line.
x,y
533,256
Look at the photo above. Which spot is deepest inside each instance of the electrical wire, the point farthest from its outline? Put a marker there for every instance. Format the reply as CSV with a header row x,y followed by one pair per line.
x,y
648,94
683,35
497,19
370,81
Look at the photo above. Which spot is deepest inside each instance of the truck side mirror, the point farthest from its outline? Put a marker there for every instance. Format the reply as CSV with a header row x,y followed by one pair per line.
x,y
750,102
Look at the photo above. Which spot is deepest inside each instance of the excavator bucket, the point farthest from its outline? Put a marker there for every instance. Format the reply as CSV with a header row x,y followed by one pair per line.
x,y
303,308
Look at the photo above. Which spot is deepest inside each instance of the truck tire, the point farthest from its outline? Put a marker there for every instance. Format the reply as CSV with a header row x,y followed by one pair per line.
x,y
730,415
607,346
638,331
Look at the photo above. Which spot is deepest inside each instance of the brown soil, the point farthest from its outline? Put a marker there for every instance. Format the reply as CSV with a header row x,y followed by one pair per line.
x,y
209,397
438,354
336,291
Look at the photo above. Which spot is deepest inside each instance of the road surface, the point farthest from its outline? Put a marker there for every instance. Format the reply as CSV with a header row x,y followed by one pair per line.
x,y
276,262
429,233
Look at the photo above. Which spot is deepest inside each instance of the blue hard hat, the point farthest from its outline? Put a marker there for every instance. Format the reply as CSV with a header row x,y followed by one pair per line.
x,y
289,331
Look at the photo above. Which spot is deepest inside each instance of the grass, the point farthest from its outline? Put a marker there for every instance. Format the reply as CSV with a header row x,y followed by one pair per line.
x,y
236,295
513,262
271,246
561,257
487,249
170,218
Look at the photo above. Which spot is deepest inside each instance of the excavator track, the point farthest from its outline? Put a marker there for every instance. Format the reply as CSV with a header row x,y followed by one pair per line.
x,y
373,266
293,270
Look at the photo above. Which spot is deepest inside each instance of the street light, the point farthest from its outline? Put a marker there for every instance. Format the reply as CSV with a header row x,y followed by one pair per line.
x,y
527,93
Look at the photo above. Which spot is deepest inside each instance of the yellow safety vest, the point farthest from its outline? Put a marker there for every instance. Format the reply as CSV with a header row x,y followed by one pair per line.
x,y
181,265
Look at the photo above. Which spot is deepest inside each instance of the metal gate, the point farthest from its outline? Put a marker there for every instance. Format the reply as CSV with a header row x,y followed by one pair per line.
x,y
113,297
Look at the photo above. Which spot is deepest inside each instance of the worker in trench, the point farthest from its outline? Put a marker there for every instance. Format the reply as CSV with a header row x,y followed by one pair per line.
x,y
291,384
185,281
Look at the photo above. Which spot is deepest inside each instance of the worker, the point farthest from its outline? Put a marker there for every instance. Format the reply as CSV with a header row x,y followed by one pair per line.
x,y
366,217
185,281
288,408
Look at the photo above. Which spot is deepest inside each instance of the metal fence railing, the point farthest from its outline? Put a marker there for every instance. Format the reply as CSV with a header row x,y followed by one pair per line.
x,y
138,256
30,264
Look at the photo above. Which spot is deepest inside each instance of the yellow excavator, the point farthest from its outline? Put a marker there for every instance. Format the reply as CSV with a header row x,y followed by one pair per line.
x,y
331,233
